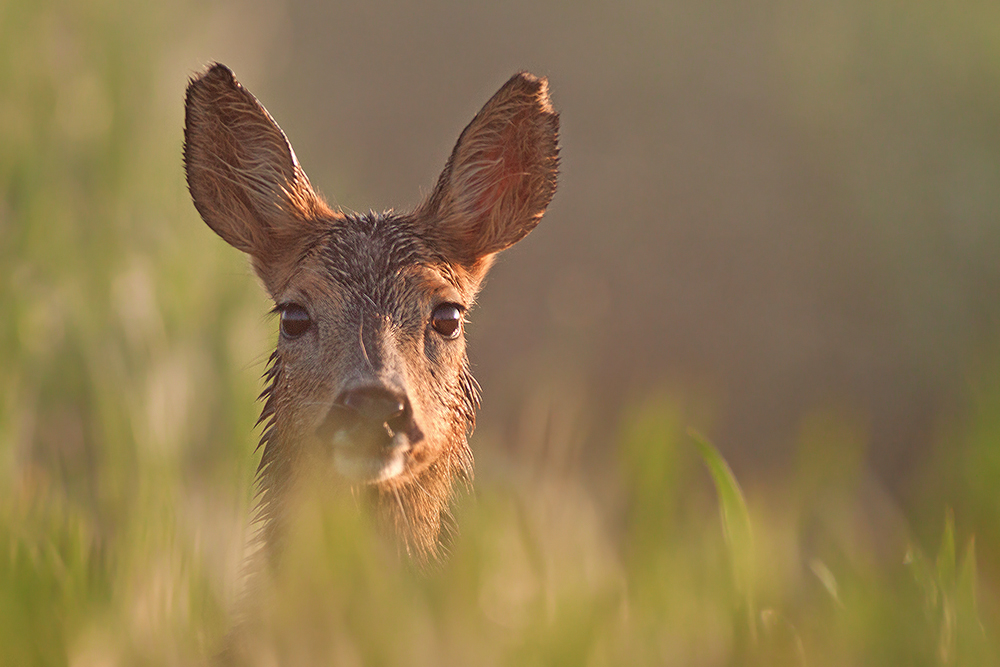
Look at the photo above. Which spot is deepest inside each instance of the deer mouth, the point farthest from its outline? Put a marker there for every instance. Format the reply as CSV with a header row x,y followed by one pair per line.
x,y
362,451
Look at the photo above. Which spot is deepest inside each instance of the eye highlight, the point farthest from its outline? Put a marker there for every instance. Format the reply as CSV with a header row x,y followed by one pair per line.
x,y
447,320
295,320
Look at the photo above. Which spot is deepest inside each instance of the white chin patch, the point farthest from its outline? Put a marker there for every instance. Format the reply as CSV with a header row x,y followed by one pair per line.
x,y
363,465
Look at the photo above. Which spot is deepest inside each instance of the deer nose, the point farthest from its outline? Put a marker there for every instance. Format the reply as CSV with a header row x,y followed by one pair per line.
x,y
376,405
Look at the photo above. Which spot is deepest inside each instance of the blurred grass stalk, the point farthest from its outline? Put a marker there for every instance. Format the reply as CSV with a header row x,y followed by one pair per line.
x,y
735,525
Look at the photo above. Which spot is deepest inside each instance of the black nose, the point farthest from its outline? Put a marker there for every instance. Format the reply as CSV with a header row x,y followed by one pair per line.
x,y
376,405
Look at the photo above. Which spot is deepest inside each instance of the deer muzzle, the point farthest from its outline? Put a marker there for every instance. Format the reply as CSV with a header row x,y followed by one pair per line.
x,y
371,431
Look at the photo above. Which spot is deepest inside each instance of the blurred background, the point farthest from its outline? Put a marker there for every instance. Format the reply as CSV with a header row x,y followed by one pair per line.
x,y
778,224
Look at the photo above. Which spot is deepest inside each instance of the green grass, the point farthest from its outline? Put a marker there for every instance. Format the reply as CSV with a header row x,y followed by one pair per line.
x,y
131,342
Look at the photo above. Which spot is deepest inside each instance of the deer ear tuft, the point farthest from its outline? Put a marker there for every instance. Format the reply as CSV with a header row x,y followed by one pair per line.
x,y
501,175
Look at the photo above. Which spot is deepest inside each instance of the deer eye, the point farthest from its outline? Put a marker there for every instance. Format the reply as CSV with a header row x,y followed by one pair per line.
x,y
294,320
447,320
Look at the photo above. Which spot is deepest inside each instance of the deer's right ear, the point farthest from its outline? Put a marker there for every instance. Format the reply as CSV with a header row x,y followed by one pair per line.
x,y
242,173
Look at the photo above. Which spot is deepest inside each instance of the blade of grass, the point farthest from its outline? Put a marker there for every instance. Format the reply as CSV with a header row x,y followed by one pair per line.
x,y
946,583
735,524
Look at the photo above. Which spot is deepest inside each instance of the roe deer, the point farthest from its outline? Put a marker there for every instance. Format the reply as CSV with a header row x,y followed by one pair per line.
x,y
370,374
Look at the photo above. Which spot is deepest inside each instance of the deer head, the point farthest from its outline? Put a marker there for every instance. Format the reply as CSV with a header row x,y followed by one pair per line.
x,y
370,377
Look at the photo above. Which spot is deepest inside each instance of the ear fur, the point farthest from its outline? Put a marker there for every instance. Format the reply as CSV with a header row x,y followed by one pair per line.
x,y
500,177
242,173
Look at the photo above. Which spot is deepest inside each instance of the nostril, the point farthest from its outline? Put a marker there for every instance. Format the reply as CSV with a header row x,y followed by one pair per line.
x,y
399,421
375,405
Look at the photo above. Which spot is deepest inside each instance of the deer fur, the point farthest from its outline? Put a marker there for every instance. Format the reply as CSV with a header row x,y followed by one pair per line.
x,y
374,288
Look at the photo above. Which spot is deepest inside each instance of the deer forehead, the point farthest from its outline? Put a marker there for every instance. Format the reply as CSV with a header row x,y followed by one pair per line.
x,y
378,265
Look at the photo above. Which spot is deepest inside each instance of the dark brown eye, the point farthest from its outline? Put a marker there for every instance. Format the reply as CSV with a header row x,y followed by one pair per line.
x,y
447,320
294,320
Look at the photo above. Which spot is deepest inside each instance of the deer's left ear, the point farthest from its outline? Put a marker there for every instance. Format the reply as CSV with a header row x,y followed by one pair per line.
x,y
500,177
